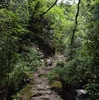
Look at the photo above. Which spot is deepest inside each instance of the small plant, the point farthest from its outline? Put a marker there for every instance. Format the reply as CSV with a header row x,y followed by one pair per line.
x,y
92,90
54,74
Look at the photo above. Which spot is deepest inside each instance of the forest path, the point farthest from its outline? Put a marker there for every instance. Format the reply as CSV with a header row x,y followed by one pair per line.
x,y
39,88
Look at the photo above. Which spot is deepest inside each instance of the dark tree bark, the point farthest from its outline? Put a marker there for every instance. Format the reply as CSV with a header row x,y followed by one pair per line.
x,y
76,23
73,34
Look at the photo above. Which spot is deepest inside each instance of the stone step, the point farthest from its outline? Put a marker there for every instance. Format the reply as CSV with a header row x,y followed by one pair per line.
x,y
41,87
43,97
45,92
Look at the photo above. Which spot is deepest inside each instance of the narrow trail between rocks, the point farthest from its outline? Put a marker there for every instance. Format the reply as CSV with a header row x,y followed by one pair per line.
x,y
39,88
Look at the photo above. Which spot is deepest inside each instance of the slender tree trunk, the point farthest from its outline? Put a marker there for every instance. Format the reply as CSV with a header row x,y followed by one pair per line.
x,y
74,31
76,23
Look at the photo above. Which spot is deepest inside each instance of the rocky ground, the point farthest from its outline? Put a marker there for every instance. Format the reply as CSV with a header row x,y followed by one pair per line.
x,y
39,88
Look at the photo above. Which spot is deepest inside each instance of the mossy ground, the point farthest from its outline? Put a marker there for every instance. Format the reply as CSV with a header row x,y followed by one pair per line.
x,y
27,93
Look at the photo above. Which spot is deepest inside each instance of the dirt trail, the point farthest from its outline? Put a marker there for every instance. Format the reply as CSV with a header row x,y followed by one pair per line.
x,y
39,88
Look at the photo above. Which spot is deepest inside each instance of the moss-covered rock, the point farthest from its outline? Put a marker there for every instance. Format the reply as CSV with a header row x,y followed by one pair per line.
x,y
57,86
29,74
27,92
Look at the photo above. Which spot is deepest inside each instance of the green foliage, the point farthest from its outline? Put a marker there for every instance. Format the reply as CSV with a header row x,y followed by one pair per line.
x,y
28,63
92,90
19,17
37,7
51,25
54,74
10,30
83,69
32,59
58,24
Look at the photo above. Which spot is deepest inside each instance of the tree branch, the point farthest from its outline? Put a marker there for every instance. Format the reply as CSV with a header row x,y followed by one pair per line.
x,y
49,8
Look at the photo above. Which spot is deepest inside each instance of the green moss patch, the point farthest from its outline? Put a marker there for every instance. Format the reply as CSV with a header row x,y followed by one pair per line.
x,y
27,92
29,74
56,85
